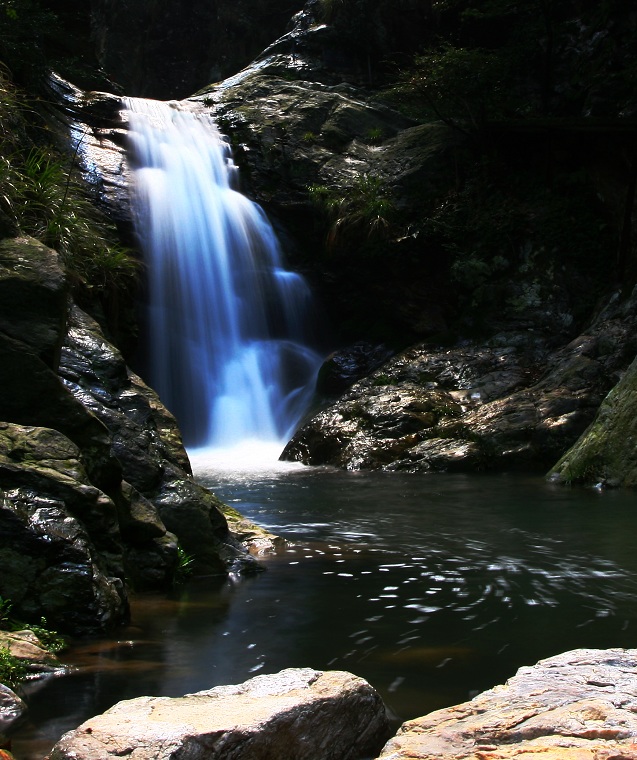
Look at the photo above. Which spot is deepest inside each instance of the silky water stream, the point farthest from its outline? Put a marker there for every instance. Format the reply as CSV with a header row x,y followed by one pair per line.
x,y
432,587
229,327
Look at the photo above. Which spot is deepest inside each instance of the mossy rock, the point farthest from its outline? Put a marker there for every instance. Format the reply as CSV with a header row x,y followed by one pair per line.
x,y
607,452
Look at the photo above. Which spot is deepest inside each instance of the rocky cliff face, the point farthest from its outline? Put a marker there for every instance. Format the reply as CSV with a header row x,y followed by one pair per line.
x,y
95,484
518,396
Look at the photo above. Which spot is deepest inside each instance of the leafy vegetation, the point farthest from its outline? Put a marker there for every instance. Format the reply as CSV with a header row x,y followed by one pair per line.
x,y
42,195
365,212
185,565
12,670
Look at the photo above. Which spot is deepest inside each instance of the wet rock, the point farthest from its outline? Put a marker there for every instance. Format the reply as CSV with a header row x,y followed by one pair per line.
x,y
578,704
344,367
158,493
60,548
606,454
33,318
26,646
514,402
34,293
300,713
12,711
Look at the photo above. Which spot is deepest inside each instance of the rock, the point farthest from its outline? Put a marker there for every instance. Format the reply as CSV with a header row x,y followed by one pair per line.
x,y
60,547
580,704
345,366
35,297
514,401
158,493
606,453
300,713
33,323
12,711
26,646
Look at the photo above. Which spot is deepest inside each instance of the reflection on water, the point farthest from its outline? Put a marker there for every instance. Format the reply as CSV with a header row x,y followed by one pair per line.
x,y
432,588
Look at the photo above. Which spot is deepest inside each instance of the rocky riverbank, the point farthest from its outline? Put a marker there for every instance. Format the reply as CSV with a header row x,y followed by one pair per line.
x,y
578,704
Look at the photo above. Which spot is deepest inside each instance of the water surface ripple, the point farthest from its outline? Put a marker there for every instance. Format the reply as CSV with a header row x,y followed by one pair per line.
x,y
431,587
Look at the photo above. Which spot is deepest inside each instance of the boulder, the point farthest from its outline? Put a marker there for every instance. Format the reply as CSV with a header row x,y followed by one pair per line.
x,y
298,713
578,705
26,646
12,711
60,546
35,297
606,454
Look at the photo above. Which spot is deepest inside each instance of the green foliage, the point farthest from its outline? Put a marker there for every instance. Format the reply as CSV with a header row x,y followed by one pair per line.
x,y
360,216
41,196
52,641
25,27
374,135
12,670
463,87
5,609
185,565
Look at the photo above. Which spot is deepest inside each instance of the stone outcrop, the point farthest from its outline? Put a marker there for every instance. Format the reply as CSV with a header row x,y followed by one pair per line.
x,y
95,485
580,704
513,402
607,452
48,507
299,713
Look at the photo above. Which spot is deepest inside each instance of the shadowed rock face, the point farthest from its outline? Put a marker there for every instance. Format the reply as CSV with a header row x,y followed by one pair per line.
x,y
606,453
513,402
580,704
297,713
95,485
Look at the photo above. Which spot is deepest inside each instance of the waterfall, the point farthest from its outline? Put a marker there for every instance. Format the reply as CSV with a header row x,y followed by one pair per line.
x,y
228,324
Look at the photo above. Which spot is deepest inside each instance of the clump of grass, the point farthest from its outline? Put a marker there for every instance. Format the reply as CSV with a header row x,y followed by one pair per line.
x,y
12,670
42,195
185,565
363,213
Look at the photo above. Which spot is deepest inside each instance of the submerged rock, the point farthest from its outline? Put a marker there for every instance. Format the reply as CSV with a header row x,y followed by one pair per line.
x,y
580,704
298,713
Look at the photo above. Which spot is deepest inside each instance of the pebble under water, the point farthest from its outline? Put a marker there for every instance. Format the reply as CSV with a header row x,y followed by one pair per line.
x,y
431,587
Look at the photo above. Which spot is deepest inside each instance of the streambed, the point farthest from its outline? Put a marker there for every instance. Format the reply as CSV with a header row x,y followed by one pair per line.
x,y
431,587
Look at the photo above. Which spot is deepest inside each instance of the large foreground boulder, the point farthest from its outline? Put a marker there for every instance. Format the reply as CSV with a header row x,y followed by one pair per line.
x,y
298,713
579,705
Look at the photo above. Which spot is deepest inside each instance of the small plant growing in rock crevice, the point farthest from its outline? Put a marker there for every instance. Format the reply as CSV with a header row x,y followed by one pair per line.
x,y
362,214
12,670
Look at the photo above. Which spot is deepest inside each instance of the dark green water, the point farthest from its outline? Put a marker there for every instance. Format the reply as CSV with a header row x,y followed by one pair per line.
x,y
431,587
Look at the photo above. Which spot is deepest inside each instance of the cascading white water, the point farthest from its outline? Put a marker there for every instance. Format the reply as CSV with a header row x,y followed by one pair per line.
x,y
229,352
